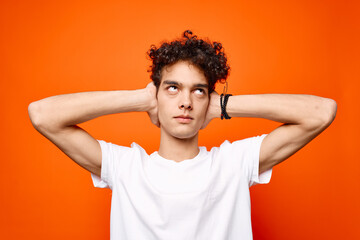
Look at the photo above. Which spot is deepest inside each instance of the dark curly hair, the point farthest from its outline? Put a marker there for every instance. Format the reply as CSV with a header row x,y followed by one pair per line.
x,y
209,57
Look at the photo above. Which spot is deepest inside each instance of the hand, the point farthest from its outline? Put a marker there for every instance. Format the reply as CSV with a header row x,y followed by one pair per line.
x,y
214,109
153,108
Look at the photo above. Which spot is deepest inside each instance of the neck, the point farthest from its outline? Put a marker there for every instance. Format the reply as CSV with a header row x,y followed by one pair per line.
x,y
178,149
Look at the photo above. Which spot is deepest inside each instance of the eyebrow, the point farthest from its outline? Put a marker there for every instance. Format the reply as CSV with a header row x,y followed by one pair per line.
x,y
171,82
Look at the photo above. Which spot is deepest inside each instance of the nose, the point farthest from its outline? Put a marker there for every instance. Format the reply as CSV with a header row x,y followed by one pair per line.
x,y
185,102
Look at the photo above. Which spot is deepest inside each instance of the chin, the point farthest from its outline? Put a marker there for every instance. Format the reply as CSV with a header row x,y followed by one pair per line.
x,y
184,136
183,133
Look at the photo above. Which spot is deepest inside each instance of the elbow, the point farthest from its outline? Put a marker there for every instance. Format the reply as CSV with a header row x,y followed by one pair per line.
x,y
39,117
330,112
34,111
324,114
42,117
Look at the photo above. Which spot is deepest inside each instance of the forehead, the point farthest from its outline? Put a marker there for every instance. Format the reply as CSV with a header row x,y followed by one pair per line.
x,y
183,72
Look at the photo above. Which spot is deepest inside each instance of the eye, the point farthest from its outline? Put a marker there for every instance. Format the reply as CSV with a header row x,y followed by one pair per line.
x,y
172,89
200,91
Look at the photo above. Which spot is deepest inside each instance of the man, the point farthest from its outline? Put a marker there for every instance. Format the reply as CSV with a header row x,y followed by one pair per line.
x,y
182,191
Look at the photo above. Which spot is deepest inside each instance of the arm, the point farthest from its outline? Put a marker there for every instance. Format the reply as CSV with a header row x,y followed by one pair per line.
x,y
56,118
304,117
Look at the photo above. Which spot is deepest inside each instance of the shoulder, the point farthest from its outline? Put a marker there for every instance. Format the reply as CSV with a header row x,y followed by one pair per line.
x,y
116,149
250,140
241,144
104,143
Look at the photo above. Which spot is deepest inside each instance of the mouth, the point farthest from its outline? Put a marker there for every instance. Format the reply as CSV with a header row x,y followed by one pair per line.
x,y
183,119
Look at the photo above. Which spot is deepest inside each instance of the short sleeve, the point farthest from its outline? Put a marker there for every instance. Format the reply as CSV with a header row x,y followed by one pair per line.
x,y
247,151
254,148
111,155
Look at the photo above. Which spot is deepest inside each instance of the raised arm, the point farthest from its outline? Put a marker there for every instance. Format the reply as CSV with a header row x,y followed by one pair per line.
x,y
304,118
56,118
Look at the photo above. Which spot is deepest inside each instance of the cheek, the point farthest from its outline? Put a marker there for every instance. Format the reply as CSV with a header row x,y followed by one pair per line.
x,y
160,102
204,107
164,109
203,115
161,111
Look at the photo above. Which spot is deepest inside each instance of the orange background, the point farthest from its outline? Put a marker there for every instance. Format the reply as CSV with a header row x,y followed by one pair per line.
x,y
56,47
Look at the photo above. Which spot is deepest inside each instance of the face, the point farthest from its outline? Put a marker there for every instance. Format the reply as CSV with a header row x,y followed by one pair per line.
x,y
183,100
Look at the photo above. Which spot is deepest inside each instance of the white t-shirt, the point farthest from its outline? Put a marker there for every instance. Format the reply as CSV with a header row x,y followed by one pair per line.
x,y
204,198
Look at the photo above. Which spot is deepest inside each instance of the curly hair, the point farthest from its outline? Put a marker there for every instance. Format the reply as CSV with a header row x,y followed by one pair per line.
x,y
207,56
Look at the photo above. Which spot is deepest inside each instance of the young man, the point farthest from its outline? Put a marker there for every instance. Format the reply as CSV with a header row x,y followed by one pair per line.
x,y
182,191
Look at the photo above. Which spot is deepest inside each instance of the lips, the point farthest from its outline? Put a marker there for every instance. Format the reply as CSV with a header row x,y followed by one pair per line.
x,y
184,118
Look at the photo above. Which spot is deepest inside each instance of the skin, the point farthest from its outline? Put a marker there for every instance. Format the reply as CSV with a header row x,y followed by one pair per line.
x,y
303,116
183,90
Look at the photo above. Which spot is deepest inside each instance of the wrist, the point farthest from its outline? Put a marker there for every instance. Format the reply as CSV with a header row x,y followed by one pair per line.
x,y
138,100
223,102
215,106
149,98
